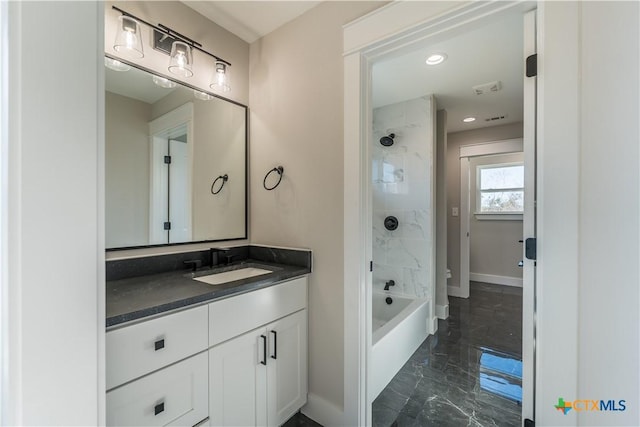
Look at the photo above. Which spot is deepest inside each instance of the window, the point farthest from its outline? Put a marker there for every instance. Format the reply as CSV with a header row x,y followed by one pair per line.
x,y
500,189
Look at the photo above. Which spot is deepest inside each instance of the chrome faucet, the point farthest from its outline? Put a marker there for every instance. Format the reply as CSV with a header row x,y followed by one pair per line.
x,y
389,283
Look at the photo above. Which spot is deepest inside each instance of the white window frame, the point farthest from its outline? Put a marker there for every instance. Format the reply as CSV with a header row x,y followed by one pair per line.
x,y
495,215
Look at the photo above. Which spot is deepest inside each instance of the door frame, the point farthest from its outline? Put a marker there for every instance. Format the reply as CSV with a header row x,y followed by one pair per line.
x,y
393,28
467,152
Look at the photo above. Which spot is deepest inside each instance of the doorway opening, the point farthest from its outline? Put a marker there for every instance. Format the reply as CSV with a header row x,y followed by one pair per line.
x,y
399,76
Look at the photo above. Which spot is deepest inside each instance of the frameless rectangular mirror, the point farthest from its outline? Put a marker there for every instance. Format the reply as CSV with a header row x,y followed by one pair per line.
x,y
176,161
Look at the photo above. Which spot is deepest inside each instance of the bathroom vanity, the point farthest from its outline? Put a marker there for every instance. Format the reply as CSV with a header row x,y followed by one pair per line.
x,y
180,351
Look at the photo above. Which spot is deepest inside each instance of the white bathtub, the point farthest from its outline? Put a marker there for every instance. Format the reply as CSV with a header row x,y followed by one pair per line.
x,y
398,330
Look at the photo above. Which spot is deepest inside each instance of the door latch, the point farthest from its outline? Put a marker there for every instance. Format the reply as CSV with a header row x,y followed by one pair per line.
x,y
530,250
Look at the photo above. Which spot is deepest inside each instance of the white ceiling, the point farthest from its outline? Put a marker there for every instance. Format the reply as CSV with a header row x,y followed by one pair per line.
x,y
136,84
251,20
482,55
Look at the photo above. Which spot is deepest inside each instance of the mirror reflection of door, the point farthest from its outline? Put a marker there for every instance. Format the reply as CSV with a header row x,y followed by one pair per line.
x,y
170,206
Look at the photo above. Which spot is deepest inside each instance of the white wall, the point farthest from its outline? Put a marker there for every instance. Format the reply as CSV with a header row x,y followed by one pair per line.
x,y
588,210
442,299
494,249
403,183
56,215
609,218
127,170
296,121
454,142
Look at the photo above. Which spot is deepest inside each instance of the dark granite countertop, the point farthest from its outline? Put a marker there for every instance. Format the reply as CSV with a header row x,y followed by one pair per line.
x,y
135,298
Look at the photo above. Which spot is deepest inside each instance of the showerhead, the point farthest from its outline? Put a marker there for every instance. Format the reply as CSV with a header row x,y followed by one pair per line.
x,y
387,141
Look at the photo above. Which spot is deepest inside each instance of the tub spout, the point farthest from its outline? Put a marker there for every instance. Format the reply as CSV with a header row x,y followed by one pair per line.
x,y
389,283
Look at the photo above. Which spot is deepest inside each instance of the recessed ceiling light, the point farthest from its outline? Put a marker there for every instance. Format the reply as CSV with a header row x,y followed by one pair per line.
x,y
436,58
469,119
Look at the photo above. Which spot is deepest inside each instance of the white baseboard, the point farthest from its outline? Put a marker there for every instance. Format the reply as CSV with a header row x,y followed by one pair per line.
x,y
433,325
497,280
322,411
454,291
442,311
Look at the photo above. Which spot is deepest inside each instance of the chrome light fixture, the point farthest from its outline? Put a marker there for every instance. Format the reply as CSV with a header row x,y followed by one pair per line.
x,y
220,79
181,59
128,39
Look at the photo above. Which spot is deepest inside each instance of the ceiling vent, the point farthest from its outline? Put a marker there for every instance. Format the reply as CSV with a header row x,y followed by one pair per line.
x,y
486,88
496,118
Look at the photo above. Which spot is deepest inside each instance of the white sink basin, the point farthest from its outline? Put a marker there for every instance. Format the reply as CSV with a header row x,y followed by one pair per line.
x,y
230,276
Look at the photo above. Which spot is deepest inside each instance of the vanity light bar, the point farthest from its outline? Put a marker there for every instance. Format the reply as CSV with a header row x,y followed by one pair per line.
x,y
172,34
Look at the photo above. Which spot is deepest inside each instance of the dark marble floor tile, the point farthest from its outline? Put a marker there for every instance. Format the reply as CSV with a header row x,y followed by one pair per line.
x,y
440,384
405,382
443,412
383,416
300,420
391,399
512,290
404,420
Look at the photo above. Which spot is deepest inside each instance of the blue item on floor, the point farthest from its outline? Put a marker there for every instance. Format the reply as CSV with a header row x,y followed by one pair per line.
x,y
500,364
501,387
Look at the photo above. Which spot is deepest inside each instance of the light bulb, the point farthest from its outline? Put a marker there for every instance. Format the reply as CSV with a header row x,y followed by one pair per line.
x,y
128,40
181,59
220,78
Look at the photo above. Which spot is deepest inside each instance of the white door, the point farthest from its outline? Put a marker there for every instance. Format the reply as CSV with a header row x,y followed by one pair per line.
x,y
287,367
158,191
238,381
180,191
529,226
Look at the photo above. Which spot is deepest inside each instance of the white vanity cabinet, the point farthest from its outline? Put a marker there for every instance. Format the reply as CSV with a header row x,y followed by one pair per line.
x,y
240,361
258,375
157,371
174,396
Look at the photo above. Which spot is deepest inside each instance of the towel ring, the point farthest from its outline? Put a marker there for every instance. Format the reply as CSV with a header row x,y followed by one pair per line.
x,y
280,171
224,179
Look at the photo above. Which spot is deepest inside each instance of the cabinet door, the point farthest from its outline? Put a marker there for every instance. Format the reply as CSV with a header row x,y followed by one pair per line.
x,y
287,367
174,396
238,381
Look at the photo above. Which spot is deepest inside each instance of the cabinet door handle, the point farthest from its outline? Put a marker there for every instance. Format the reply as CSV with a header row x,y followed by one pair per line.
x,y
275,345
159,345
264,349
158,408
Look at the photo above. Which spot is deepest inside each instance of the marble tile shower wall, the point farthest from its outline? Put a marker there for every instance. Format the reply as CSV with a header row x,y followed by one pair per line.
x,y
402,175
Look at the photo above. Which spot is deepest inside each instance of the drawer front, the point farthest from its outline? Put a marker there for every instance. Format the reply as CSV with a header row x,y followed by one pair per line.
x,y
234,316
136,350
176,395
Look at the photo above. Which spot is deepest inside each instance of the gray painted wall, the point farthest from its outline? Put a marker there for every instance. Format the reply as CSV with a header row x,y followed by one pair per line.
x,y
297,121
494,247
127,170
454,142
